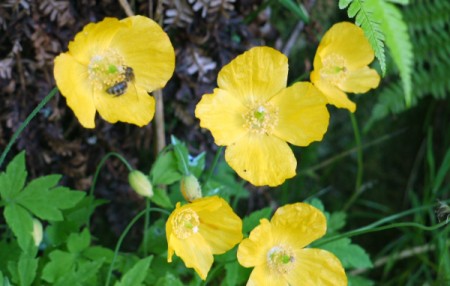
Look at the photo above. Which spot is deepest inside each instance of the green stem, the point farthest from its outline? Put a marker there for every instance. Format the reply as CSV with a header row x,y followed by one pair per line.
x,y
124,234
146,224
214,164
25,123
374,226
97,172
365,230
359,154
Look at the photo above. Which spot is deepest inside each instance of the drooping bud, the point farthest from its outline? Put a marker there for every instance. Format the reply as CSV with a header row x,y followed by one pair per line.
x,y
190,188
140,183
37,232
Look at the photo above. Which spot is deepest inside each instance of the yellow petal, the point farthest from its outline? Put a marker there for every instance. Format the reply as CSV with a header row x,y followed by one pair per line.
x,y
72,81
219,225
194,252
316,267
147,49
261,159
253,251
299,224
347,40
263,276
303,116
360,81
255,76
221,113
94,39
333,94
134,106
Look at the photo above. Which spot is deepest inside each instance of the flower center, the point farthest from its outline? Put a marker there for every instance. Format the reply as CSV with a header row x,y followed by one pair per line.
x,y
280,259
185,223
261,118
334,69
106,69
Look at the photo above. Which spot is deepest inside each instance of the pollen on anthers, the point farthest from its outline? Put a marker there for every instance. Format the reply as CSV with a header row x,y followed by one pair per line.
x,y
185,223
333,68
106,69
261,118
280,259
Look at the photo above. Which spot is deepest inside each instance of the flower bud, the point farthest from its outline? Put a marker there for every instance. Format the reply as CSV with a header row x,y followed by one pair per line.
x,y
140,183
190,188
37,232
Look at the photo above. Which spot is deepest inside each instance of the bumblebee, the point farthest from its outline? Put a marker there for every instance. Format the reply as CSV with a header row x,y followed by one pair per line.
x,y
120,87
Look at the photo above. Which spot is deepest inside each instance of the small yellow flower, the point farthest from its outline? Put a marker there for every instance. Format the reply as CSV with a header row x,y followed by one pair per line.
x,y
200,229
341,65
276,250
254,114
110,68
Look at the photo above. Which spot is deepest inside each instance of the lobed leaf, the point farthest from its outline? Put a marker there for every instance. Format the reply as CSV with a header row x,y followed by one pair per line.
x,y
21,223
13,180
350,255
136,275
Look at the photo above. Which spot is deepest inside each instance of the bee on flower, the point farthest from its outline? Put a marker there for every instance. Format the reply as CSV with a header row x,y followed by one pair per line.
x,y
105,59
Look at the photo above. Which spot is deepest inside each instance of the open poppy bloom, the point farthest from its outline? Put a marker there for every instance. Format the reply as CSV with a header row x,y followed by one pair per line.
x,y
341,65
110,68
254,114
276,250
197,230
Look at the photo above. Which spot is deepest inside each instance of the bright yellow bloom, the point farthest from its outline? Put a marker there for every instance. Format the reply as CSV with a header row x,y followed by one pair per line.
x,y
111,66
341,65
200,229
276,250
254,114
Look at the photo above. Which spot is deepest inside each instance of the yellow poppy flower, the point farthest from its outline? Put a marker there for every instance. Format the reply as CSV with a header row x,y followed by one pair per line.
x,y
254,114
276,250
341,65
111,66
200,229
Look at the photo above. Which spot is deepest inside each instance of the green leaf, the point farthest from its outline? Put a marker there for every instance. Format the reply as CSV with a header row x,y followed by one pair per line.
x,y
156,237
136,275
359,281
169,280
78,242
182,155
85,274
251,221
13,180
46,202
27,267
397,40
161,198
60,263
297,9
165,169
365,18
350,255
21,223
336,221
97,253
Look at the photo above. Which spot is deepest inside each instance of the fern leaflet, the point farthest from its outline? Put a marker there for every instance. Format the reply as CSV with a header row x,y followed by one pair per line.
x,y
397,40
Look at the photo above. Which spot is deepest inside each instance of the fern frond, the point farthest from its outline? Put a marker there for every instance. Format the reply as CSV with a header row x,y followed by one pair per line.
x,y
428,22
364,17
397,40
